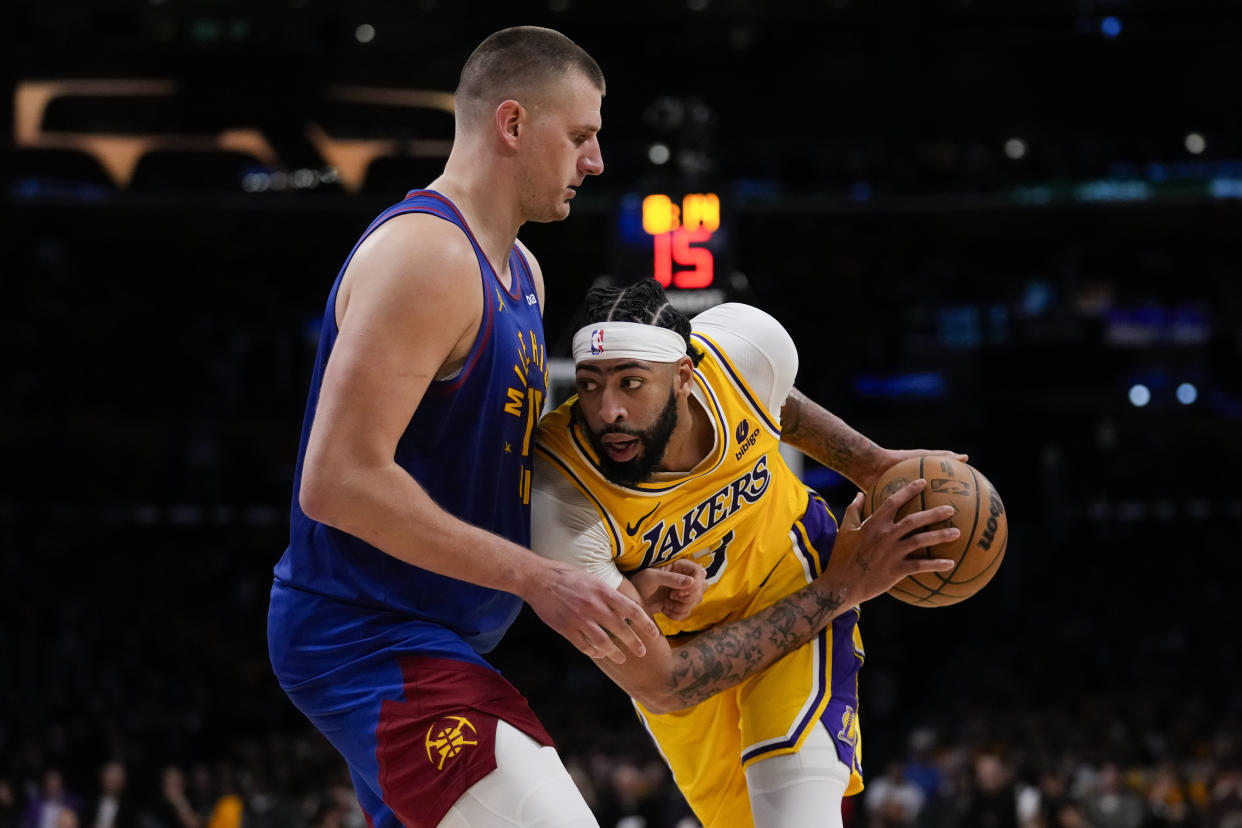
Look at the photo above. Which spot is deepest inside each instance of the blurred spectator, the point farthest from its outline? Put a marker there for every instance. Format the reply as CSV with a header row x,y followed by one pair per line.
x,y
992,802
67,818
10,808
172,808
50,802
893,800
630,791
1168,800
1112,804
201,790
228,808
1053,807
921,768
111,807
1224,809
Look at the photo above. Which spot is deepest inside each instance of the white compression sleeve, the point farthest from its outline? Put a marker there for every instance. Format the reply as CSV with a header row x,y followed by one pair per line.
x,y
800,790
530,788
758,345
565,527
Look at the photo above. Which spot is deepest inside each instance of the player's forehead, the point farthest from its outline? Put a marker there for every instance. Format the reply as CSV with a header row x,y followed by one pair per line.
x,y
597,368
576,100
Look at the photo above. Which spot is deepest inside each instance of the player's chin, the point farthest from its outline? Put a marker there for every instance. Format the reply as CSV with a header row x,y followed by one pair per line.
x,y
557,213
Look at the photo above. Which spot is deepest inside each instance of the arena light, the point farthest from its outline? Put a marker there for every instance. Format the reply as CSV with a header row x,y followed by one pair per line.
x,y
1195,143
1187,393
364,33
1140,395
659,153
1110,26
1015,148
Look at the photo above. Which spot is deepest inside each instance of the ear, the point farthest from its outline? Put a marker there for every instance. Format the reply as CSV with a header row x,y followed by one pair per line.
x,y
510,122
683,379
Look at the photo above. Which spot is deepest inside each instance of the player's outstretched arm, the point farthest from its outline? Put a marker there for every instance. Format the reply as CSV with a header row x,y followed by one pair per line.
x,y
827,439
408,309
867,559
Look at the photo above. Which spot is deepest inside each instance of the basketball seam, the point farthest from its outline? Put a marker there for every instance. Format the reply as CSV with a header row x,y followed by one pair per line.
x,y
974,529
947,578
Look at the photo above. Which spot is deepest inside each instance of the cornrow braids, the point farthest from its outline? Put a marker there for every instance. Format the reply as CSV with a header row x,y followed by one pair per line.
x,y
643,302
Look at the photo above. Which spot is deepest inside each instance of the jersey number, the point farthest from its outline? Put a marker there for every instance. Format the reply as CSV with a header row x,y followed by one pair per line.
x,y
714,560
534,407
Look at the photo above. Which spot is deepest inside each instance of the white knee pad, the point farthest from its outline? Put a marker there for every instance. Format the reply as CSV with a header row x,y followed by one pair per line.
x,y
530,788
799,789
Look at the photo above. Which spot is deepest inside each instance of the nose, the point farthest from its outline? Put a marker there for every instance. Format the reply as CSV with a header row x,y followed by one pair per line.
x,y
592,163
612,407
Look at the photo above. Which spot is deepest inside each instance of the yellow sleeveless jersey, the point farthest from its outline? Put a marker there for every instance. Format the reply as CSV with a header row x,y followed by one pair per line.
x,y
761,534
732,514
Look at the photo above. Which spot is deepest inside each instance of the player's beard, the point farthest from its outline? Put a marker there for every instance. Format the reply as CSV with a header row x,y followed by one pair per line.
x,y
654,442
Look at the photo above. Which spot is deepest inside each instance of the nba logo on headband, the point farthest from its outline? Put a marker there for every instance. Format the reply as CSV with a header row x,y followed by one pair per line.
x,y
597,342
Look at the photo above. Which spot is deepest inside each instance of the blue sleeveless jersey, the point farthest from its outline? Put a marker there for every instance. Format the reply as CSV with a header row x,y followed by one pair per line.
x,y
468,445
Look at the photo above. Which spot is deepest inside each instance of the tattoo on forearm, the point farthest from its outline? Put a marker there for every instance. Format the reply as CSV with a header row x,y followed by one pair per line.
x,y
821,434
725,655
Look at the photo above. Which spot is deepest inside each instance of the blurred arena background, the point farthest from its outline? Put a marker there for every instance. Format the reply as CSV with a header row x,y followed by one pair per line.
x,y
1007,227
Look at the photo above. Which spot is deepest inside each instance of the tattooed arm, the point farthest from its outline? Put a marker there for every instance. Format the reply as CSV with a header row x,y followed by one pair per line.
x,y
866,560
827,439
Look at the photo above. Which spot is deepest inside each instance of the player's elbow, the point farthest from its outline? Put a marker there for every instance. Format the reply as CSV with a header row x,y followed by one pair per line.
x,y
657,704
314,498
321,493
659,699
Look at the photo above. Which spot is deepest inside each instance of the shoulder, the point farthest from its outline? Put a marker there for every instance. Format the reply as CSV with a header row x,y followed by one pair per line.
x,y
757,345
742,330
412,286
736,317
420,257
420,243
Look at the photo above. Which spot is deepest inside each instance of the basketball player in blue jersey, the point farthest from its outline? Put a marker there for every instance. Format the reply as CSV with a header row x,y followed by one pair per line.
x,y
409,529
670,452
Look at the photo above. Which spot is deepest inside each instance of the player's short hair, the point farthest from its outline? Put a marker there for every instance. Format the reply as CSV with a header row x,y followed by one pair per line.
x,y
643,302
520,63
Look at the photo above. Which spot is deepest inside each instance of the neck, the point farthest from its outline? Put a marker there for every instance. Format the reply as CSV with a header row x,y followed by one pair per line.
x,y
480,193
692,438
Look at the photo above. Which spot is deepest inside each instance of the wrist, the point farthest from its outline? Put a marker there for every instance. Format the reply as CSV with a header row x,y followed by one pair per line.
x,y
830,594
873,461
529,574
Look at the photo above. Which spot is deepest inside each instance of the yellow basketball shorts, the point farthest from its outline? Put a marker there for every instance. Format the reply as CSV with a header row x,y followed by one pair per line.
x,y
709,746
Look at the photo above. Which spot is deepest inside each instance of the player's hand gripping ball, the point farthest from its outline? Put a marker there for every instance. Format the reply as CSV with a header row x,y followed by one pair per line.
x,y
980,517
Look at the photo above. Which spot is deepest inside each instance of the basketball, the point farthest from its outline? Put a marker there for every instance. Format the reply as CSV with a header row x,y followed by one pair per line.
x,y
980,517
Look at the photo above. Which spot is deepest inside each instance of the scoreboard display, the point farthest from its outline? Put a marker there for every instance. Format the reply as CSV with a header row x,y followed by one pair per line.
x,y
681,238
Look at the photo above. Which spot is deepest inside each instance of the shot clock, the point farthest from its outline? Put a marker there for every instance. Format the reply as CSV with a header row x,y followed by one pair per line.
x,y
681,235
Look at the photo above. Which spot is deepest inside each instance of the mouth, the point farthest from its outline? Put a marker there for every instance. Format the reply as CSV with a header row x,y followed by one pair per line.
x,y
621,448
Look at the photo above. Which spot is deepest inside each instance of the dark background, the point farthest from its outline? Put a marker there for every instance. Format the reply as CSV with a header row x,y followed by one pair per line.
x,y
158,338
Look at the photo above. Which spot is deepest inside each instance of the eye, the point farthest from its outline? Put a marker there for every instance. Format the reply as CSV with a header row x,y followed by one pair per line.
x,y
632,383
586,385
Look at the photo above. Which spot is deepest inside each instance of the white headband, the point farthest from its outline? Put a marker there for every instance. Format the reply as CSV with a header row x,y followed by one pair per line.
x,y
628,340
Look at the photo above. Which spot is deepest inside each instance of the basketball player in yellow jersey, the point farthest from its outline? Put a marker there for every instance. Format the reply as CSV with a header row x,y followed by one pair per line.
x,y
670,453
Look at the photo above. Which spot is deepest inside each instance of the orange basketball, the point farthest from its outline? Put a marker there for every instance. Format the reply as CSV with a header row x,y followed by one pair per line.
x,y
980,517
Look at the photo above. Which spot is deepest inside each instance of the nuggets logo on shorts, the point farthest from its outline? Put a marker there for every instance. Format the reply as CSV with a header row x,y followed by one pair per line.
x,y
448,737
